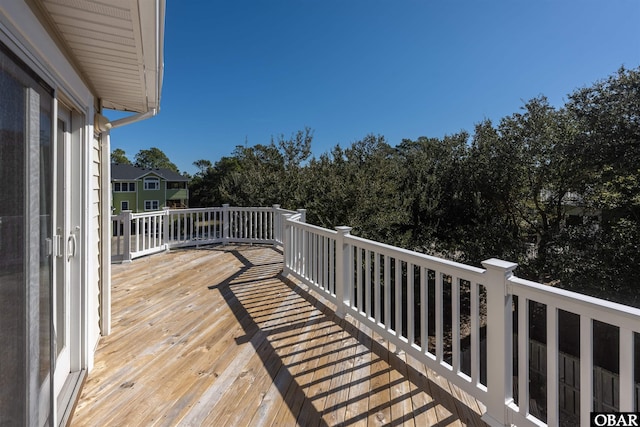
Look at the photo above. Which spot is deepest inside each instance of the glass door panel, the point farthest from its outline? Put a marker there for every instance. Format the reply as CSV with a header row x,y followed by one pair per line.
x,y
66,241
25,244
12,248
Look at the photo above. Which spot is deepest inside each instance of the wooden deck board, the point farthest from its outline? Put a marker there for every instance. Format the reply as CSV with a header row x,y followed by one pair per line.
x,y
215,336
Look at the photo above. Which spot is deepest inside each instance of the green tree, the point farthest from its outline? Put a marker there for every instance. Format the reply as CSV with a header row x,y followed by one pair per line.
x,y
258,179
369,182
324,190
602,257
205,185
154,158
203,166
268,174
541,137
119,157
492,180
294,151
432,190
608,116
351,187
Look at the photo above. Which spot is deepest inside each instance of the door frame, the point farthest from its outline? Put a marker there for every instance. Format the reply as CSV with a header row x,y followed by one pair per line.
x,y
61,270
70,156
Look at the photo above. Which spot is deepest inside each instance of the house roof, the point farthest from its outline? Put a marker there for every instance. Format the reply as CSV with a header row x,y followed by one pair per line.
x,y
117,46
131,173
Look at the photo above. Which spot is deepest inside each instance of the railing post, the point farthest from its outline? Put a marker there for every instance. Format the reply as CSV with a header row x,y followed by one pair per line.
x,y
627,392
276,227
165,228
127,217
287,243
342,270
499,340
303,215
225,223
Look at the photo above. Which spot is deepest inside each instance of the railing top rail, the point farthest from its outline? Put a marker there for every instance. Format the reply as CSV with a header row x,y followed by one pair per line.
x,y
230,208
577,303
209,209
147,214
417,258
316,229
249,209
285,211
194,210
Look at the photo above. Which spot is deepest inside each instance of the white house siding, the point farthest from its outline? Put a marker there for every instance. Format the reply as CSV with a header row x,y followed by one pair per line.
x,y
105,234
95,234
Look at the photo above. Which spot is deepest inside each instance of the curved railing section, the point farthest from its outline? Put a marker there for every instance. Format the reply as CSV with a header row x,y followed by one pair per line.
x,y
139,234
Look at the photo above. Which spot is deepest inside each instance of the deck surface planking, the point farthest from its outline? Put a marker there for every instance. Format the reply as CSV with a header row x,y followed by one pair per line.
x,y
216,336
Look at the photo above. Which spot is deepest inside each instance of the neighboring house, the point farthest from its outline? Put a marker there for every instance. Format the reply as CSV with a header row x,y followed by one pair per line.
x,y
578,213
61,63
139,190
575,210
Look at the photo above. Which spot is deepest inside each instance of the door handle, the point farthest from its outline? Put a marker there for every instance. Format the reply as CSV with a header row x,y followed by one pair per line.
x,y
72,244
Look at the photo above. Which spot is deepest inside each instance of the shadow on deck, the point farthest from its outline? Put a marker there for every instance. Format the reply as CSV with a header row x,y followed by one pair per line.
x,y
216,336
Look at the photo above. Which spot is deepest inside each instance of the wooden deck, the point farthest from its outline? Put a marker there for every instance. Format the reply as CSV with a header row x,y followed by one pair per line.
x,y
215,336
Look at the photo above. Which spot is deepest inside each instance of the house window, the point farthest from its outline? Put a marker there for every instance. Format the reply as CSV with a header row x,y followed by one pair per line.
x,y
151,184
151,205
124,205
574,220
123,187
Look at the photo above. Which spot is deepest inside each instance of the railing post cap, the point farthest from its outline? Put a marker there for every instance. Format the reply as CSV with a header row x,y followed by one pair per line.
x,y
301,210
225,205
343,229
276,206
498,264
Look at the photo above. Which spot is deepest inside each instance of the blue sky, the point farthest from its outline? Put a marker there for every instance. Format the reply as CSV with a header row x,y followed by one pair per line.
x,y
242,71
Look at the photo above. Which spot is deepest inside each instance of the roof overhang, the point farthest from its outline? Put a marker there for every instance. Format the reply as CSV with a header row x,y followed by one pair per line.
x,y
116,45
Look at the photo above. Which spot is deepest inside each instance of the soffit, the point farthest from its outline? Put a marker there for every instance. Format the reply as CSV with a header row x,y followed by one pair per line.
x,y
117,45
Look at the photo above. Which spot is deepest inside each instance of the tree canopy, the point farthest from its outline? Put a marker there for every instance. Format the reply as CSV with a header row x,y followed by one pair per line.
x,y
154,158
118,156
556,189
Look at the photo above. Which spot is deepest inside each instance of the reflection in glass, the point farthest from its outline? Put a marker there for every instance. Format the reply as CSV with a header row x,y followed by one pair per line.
x,y
25,232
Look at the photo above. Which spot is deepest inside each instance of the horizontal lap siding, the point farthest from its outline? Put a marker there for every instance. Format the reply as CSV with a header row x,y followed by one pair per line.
x,y
95,236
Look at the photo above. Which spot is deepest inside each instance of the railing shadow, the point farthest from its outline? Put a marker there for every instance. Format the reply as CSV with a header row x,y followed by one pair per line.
x,y
307,351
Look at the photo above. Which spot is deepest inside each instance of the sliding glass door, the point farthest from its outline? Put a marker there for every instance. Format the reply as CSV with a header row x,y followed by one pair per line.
x,y
67,260
26,243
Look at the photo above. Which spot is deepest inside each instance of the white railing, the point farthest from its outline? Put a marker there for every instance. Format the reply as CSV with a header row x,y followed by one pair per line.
x,y
139,234
590,310
136,235
458,320
431,308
